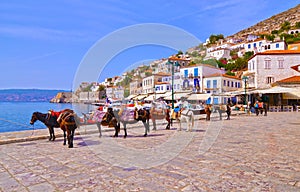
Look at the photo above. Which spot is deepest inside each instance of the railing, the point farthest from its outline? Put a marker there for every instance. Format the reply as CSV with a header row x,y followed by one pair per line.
x,y
287,108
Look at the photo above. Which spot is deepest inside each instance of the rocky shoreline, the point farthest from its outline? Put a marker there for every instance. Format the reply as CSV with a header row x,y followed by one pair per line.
x,y
64,97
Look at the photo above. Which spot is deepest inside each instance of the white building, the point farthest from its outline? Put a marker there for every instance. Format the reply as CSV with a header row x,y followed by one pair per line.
x,y
192,76
115,92
254,45
150,82
218,54
267,67
279,45
219,83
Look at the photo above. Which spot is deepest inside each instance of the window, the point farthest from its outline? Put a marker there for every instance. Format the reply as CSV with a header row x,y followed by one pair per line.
x,y
224,82
216,100
215,83
196,72
162,88
228,83
270,80
254,45
239,85
249,46
280,64
208,84
231,83
186,72
277,45
236,84
267,63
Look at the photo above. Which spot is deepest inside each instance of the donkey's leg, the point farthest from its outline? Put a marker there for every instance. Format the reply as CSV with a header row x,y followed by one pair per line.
x,y
154,124
65,135
179,120
50,133
169,122
99,128
117,129
125,130
145,125
53,134
71,137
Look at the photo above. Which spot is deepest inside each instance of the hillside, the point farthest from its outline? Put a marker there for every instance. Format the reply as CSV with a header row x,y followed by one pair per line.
x,y
273,23
27,95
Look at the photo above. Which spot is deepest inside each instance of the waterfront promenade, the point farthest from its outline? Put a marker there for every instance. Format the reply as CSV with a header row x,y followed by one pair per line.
x,y
246,153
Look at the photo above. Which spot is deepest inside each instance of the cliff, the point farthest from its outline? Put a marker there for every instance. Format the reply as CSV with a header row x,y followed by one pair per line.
x,y
63,97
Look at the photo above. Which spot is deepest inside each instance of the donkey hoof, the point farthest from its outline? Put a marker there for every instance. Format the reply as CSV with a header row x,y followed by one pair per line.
x,y
145,135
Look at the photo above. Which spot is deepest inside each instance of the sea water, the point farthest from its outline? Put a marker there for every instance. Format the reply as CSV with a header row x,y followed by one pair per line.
x,y
15,116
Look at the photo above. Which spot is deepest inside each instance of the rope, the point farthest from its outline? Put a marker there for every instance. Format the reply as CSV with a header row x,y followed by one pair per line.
x,y
20,124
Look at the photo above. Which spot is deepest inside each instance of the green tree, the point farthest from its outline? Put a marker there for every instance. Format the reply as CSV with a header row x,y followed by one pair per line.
x,y
285,26
270,37
214,38
297,25
275,32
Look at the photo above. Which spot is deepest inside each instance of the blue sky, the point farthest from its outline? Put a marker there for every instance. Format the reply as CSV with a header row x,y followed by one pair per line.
x,y
43,42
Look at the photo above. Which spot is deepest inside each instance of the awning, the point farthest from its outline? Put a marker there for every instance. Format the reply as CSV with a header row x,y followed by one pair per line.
x,y
177,96
157,96
139,97
276,89
130,97
294,94
199,96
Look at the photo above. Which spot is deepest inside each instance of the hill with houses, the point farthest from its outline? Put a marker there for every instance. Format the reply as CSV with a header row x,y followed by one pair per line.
x,y
273,23
256,58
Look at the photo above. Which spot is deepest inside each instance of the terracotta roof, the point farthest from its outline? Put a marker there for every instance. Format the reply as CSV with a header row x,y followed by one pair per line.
x,y
296,67
293,79
276,52
161,83
179,59
199,65
223,75
163,74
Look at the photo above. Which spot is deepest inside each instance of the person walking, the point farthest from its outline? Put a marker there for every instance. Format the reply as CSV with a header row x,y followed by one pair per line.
x,y
228,111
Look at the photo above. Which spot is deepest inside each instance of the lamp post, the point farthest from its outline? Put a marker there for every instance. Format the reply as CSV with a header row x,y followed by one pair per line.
x,y
245,78
172,89
154,94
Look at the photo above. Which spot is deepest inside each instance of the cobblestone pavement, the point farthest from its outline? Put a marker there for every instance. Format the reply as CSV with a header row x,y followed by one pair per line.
x,y
250,153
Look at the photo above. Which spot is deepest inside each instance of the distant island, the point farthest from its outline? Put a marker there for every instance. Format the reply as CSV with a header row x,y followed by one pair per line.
x,y
28,95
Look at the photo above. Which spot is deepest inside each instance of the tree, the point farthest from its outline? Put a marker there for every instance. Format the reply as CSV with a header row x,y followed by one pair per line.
x,y
179,53
275,32
285,26
270,37
214,38
297,25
